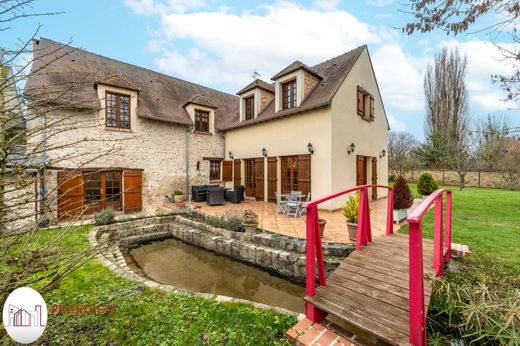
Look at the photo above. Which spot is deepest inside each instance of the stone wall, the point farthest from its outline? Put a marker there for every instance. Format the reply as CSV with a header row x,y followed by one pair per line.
x,y
280,254
265,98
19,198
159,148
475,178
309,83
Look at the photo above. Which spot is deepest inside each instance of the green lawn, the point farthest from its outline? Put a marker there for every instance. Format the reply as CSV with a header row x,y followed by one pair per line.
x,y
487,220
149,316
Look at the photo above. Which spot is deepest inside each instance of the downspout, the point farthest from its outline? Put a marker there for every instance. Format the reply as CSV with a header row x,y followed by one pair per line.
x,y
187,156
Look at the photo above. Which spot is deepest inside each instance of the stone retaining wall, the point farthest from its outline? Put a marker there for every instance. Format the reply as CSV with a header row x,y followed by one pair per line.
x,y
280,254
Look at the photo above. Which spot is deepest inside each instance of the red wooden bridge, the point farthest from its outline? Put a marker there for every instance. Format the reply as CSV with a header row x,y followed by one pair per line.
x,y
381,287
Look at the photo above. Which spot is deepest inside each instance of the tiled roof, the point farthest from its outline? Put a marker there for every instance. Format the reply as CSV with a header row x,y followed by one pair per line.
x,y
63,74
201,101
293,67
257,83
333,73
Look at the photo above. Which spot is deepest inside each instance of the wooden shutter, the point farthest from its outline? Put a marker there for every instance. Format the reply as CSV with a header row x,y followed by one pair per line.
x,y
360,101
227,174
236,176
361,170
70,194
304,173
132,191
374,178
259,179
372,108
272,178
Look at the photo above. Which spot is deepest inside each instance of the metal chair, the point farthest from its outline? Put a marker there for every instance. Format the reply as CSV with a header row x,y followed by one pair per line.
x,y
293,205
281,206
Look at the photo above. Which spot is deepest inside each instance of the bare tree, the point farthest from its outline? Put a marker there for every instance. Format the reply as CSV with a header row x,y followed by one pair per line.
x,y
26,130
447,116
456,17
401,153
511,163
491,139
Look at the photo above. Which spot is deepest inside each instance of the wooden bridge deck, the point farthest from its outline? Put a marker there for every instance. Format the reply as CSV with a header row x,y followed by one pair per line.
x,y
369,289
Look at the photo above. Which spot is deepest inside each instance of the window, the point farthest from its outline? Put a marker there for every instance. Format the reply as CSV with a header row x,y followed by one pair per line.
x,y
214,170
201,121
113,186
365,104
93,189
117,111
250,107
250,174
289,95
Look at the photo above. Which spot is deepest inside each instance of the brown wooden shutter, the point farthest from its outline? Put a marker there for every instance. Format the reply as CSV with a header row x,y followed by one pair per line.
x,y
272,178
372,108
132,191
304,173
374,178
70,194
259,179
360,101
236,176
227,172
361,170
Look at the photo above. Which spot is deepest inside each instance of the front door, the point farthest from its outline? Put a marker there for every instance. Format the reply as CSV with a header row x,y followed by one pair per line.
x,y
250,177
361,170
102,190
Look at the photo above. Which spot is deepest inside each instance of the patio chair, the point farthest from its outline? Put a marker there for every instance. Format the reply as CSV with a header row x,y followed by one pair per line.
x,y
308,199
281,206
216,197
293,205
236,195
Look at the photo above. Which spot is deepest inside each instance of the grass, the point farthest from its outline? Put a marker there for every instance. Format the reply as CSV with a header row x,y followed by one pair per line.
x,y
487,220
146,316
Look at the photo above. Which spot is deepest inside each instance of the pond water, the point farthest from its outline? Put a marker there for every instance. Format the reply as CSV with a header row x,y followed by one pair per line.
x,y
172,262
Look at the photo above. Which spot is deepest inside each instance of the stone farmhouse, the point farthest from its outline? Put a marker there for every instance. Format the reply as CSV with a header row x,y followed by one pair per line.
x,y
128,136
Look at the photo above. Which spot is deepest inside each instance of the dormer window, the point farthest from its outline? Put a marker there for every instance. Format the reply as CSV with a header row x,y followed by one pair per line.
x,y
249,105
201,121
117,110
289,94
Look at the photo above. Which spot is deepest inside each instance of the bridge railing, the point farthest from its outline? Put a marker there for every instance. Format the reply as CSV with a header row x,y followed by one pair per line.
x,y
441,242
314,253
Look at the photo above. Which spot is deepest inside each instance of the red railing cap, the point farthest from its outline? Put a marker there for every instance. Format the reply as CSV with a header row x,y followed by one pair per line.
x,y
337,194
417,215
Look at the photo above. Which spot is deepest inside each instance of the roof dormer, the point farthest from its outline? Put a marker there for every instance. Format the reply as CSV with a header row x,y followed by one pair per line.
x,y
254,98
293,84
202,113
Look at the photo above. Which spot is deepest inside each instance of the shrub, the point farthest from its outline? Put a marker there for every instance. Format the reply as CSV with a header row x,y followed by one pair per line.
x,y
250,217
178,193
426,185
403,198
350,209
232,221
391,178
105,216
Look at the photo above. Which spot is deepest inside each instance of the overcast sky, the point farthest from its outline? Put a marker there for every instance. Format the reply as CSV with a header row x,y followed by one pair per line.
x,y
221,43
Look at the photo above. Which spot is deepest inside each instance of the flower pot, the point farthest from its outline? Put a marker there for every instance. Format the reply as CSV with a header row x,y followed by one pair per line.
x,y
178,198
250,228
322,226
399,214
352,230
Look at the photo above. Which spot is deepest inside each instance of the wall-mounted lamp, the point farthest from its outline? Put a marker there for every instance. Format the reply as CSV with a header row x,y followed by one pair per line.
x,y
351,148
264,152
310,148
230,155
383,153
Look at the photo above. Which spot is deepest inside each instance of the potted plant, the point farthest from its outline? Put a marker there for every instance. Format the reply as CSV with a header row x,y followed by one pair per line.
x,y
178,196
403,199
250,221
350,212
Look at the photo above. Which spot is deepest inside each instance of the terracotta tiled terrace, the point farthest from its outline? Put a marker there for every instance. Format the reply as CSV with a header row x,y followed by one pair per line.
x,y
269,220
